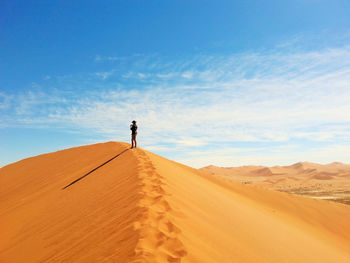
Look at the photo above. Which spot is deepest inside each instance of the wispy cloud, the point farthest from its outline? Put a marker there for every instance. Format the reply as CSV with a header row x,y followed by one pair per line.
x,y
4,101
268,156
99,58
206,101
104,74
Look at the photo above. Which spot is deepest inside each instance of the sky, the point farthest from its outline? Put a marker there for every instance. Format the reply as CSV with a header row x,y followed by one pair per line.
x,y
224,83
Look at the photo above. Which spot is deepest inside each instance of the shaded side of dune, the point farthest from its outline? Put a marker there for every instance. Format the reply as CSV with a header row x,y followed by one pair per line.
x,y
91,221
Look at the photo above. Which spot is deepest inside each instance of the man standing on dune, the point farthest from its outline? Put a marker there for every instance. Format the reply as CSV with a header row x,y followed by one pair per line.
x,y
133,128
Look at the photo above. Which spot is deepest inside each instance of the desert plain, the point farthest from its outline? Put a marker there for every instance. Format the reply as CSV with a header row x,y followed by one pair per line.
x,y
327,181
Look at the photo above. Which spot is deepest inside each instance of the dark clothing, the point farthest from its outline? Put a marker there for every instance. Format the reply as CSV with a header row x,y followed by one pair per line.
x,y
133,129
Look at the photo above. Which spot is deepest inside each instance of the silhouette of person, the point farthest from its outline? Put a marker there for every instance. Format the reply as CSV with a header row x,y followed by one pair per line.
x,y
133,128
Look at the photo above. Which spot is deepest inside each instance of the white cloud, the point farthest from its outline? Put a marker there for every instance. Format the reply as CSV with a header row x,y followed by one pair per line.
x,y
268,156
99,58
271,97
188,142
104,75
5,101
187,75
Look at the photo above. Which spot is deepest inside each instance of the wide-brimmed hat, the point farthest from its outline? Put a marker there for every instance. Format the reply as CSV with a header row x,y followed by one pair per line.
x,y
133,121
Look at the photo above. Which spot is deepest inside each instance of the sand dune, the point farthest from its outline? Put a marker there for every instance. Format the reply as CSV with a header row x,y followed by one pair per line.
x,y
139,207
330,181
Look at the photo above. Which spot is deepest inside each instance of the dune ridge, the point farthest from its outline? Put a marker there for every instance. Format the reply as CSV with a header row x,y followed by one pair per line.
x,y
322,181
145,229
158,236
140,207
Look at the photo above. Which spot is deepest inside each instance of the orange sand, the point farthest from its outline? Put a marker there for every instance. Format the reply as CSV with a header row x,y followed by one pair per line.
x,y
140,207
329,181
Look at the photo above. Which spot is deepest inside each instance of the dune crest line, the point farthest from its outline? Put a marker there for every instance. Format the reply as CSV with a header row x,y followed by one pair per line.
x,y
82,177
159,237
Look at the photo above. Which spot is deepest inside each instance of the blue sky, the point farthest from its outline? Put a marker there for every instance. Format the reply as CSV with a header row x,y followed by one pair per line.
x,y
210,82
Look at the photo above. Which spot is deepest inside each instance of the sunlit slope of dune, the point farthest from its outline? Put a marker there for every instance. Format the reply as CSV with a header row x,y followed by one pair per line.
x,y
139,207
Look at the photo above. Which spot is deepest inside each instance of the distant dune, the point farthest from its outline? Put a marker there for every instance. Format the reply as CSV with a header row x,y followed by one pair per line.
x,y
330,181
107,203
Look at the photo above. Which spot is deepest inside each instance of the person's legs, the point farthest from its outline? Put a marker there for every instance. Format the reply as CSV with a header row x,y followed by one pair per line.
x,y
135,141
